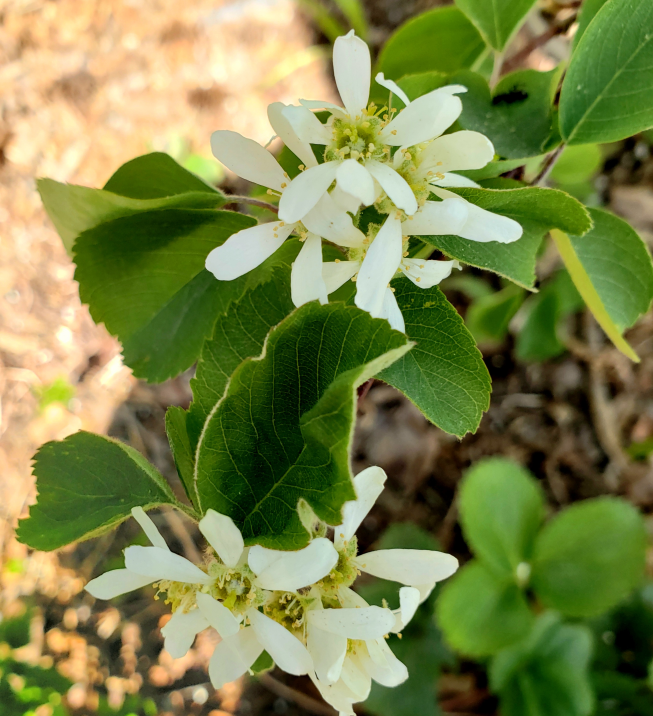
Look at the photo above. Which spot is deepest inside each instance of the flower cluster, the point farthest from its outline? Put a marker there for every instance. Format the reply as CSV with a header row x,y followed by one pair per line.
x,y
297,606
399,162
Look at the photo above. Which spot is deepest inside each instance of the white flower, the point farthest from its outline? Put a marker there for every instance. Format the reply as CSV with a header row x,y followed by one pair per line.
x,y
358,141
244,575
249,248
348,645
145,565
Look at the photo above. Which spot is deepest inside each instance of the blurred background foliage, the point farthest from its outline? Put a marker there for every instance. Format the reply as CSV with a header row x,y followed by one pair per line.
x,y
553,611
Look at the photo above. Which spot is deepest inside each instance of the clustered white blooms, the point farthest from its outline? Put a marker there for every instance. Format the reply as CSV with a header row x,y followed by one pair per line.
x,y
372,156
297,606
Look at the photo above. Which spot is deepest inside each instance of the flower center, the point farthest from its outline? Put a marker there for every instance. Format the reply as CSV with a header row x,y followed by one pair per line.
x,y
358,137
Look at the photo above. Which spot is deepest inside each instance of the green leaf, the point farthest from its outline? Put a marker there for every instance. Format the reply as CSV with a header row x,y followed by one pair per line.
x,y
444,375
144,277
154,176
589,557
87,484
537,209
619,266
577,164
441,39
481,614
74,209
540,337
181,448
283,428
498,20
239,334
487,318
547,674
501,509
588,11
607,94
611,268
522,99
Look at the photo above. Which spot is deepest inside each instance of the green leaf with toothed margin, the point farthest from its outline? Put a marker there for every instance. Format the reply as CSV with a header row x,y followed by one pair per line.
x,y
537,209
87,484
283,428
444,375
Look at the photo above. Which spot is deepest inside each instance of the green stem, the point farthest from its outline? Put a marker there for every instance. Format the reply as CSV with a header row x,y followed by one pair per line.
x,y
496,69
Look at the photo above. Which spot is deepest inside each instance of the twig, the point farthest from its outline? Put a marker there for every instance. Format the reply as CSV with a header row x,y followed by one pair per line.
x,y
519,58
496,69
235,199
363,390
304,700
548,166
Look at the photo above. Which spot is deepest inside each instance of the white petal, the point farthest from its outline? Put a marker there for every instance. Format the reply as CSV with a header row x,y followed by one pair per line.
x,y
335,109
437,218
336,695
294,570
379,266
288,136
409,600
306,282
328,652
160,563
246,250
483,225
344,201
150,529
118,581
352,67
391,312
356,678
354,179
392,674
393,87
287,651
217,615
260,558
223,535
408,566
425,591
306,190
351,599
336,274
247,158
457,151
363,623
424,118
368,485
180,632
326,219
233,657
394,185
453,179
426,274
307,126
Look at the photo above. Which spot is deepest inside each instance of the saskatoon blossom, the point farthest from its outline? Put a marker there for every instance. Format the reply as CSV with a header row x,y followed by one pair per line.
x,y
400,162
298,606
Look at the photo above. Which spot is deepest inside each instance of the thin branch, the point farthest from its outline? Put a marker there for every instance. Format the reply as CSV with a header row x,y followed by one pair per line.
x,y
496,69
235,199
304,700
558,28
548,166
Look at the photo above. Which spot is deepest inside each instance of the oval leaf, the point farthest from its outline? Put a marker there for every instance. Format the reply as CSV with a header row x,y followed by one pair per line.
x,y
589,557
497,20
87,484
481,614
607,94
